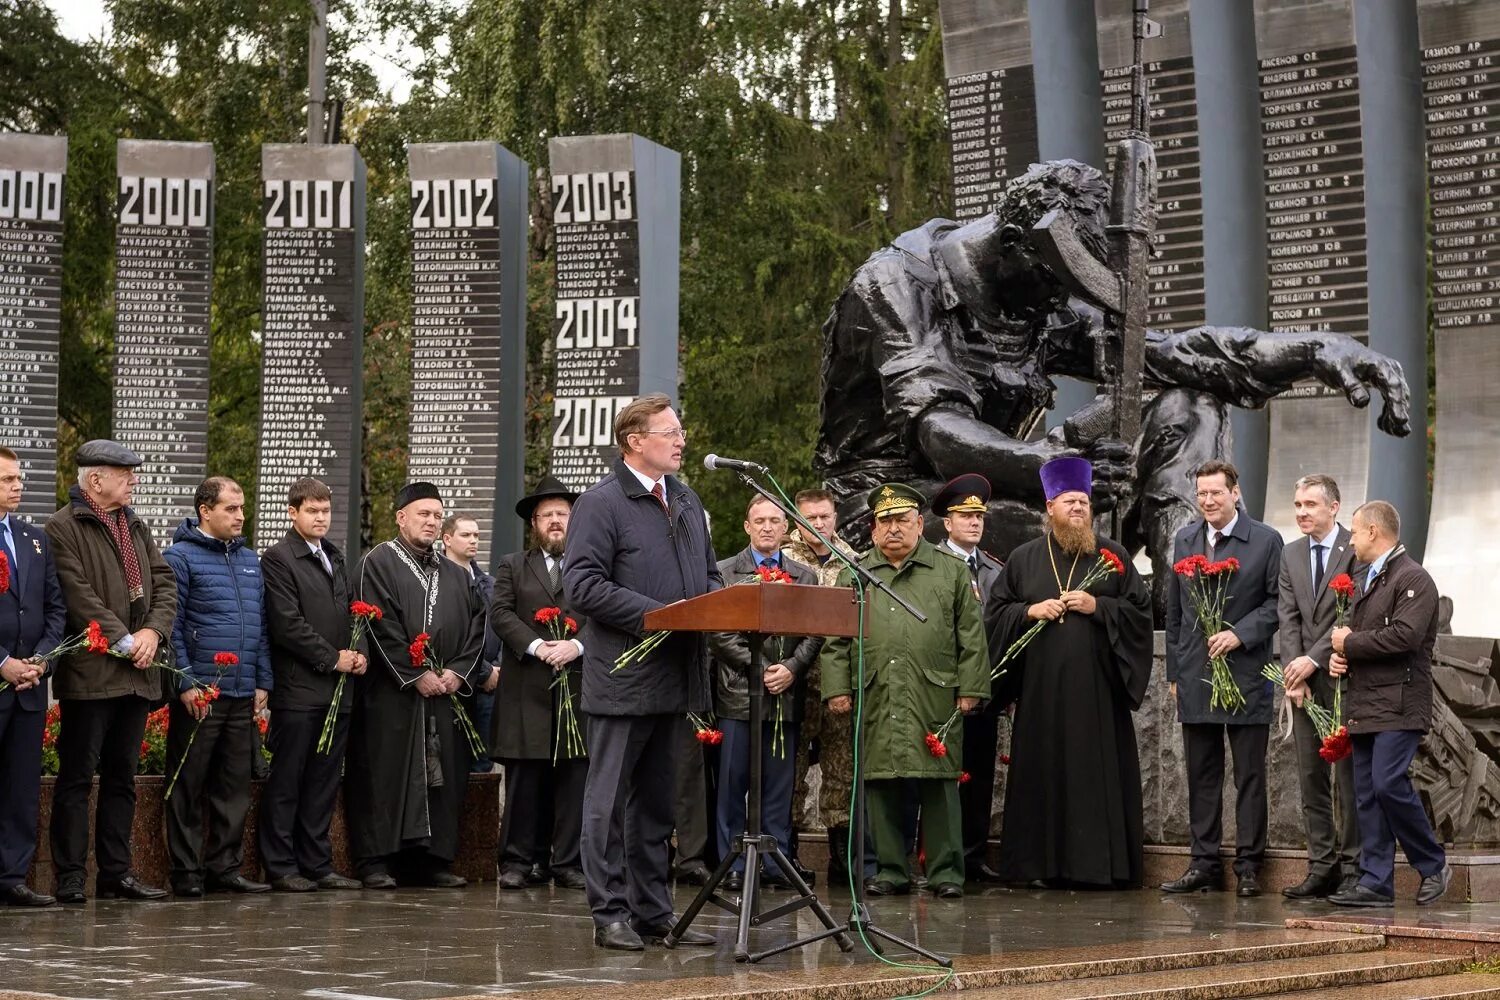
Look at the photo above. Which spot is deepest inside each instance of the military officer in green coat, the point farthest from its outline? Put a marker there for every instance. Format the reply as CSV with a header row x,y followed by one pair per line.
x,y
916,674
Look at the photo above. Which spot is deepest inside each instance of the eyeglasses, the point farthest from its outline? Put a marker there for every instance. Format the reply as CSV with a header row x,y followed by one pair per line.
x,y
672,433
1212,494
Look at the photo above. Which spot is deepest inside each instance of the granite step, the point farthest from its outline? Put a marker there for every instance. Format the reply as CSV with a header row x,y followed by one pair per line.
x,y
1248,979
1469,986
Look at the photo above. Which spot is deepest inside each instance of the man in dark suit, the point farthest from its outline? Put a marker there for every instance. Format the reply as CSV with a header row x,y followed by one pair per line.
x,y
544,773
460,538
638,540
32,616
962,504
784,664
1386,650
1307,611
1224,531
309,623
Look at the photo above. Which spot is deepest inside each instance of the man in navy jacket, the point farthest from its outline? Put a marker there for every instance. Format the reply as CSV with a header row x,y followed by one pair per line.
x,y
220,639
32,617
637,541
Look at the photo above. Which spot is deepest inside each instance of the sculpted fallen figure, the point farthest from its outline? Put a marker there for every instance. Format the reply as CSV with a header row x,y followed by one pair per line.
x,y
938,359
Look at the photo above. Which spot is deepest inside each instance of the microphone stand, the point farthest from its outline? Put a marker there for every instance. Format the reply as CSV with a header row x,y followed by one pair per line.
x,y
859,912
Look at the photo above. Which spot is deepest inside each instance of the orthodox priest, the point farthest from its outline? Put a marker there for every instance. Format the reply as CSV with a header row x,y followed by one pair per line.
x,y
1073,795
408,761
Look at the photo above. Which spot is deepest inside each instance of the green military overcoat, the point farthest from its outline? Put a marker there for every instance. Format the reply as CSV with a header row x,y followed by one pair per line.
x,y
914,671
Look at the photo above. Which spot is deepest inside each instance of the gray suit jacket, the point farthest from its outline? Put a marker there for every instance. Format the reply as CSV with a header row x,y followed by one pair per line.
x,y
990,569
1305,618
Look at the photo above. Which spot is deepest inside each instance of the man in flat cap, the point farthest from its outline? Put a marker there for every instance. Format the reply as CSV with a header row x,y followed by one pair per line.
x,y
962,503
1073,791
111,572
915,674
408,762
544,770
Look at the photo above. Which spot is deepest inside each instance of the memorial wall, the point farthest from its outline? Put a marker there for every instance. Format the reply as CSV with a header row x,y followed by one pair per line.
x,y
1315,222
615,216
468,260
312,324
32,168
1176,268
991,99
164,261
1461,105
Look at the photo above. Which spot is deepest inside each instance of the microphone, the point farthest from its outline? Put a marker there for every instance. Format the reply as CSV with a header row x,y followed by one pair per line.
x,y
714,462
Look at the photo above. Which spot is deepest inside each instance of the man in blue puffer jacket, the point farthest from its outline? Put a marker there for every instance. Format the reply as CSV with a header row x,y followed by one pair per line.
x,y
220,639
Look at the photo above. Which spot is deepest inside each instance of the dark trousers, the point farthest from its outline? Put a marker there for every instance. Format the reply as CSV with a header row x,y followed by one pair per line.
x,y
976,798
1332,840
481,710
1203,745
627,815
1390,811
690,806
889,802
216,772
104,736
20,787
778,778
296,804
543,813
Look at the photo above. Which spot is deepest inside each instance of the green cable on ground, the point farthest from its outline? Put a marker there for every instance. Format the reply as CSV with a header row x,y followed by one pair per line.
x,y
857,869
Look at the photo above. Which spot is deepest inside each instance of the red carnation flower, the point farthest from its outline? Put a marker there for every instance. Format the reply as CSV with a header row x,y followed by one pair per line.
x,y
96,642
1342,585
964,777
4,572
418,650
263,724
1116,564
546,616
1005,759
145,748
935,745
710,737
570,625
362,610
226,660
1336,745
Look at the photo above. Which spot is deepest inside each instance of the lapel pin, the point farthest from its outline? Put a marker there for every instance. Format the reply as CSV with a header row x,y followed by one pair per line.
x,y
36,543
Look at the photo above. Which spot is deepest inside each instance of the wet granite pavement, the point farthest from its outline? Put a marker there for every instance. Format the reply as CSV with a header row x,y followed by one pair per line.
x,y
423,944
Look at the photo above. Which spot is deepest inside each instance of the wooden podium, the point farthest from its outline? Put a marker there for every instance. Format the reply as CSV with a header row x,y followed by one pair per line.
x,y
759,610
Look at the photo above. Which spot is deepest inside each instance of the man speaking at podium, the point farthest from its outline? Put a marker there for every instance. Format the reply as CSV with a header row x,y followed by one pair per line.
x,y
638,541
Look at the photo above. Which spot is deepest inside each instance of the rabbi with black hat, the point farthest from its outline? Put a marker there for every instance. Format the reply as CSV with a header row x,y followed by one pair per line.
x,y
408,761
1073,790
544,757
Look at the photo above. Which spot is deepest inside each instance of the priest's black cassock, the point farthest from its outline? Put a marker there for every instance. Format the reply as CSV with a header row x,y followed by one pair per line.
x,y
394,803
1073,790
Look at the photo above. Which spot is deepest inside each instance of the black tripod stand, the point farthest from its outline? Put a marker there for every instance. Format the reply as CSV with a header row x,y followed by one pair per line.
x,y
753,845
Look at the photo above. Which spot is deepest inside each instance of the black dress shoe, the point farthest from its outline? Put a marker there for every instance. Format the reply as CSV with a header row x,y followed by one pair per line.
x,y
1361,895
569,878
1346,883
188,887
808,875
983,873
379,880
334,881
1249,886
734,881
885,887
293,883
1193,880
618,936
657,934
1314,887
235,883
512,879
128,887
70,889
693,873
1433,886
535,876
444,879
948,890
24,895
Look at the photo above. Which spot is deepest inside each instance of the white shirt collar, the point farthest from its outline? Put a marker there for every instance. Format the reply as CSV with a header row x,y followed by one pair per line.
x,y
964,553
1327,540
317,547
646,480
1227,530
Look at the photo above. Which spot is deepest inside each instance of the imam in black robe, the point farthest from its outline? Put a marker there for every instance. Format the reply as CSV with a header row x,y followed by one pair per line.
x,y
1073,791
393,801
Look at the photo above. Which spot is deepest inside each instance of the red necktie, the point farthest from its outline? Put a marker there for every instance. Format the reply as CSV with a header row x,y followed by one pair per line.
x,y
660,494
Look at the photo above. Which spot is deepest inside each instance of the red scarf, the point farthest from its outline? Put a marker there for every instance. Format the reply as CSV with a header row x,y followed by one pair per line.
x,y
119,532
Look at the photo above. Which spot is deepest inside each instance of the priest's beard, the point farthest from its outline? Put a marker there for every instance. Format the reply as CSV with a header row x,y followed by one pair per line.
x,y
1074,539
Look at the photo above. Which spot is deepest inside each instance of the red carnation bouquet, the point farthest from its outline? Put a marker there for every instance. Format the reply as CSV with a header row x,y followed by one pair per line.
x,y
704,730
1108,564
566,729
93,640
203,697
1207,586
422,660
4,572
1328,725
361,615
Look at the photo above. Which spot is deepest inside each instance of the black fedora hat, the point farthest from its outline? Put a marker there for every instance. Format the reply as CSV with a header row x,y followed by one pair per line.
x,y
548,489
